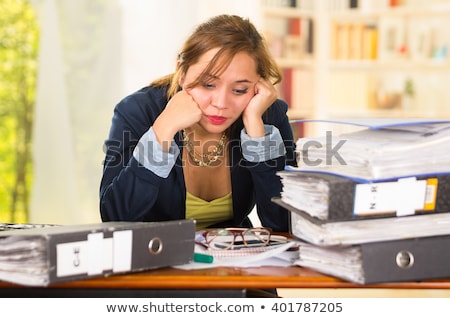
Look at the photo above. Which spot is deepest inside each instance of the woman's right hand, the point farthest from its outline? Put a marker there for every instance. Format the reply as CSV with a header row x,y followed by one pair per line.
x,y
181,112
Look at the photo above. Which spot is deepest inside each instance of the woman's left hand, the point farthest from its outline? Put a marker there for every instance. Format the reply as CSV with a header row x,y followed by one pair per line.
x,y
265,96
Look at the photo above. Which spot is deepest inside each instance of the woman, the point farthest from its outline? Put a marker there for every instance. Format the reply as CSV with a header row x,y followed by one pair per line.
x,y
205,142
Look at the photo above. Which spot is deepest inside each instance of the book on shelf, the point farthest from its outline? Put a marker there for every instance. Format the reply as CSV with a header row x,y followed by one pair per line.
x,y
353,41
402,148
334,233
280,3
294,45
370,42
392,37
356,41
342,5
341,41
44,255
298,130
413,259
337,198
290,38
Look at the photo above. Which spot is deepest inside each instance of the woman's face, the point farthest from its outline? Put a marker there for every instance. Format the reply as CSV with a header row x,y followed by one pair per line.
x,y
223,98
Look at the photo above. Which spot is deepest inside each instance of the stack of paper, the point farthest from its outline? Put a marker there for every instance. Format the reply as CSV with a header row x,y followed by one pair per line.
x,y
382,153
372,206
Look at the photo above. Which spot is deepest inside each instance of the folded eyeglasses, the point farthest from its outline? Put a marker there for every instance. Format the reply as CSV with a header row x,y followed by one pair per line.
x,y
235,237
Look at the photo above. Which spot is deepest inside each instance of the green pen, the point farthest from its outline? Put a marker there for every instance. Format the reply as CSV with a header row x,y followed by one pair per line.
x,y
203,258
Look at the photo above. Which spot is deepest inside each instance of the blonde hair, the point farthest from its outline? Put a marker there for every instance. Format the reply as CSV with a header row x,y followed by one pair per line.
x,y
231,34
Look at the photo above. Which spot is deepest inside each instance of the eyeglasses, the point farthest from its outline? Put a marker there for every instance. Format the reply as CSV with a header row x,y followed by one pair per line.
x,y
230,238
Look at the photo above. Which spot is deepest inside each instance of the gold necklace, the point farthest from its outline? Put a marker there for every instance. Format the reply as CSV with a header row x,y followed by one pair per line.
x,y
204,159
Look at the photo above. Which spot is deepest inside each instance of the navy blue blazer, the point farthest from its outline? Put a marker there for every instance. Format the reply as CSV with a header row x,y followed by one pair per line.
x,y
130,192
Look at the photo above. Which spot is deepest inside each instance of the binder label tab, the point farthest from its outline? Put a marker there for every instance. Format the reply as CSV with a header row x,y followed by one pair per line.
x,y
72,258
404,197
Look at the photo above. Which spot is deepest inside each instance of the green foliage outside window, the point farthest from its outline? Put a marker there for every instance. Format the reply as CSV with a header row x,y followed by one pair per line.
x,y
19,41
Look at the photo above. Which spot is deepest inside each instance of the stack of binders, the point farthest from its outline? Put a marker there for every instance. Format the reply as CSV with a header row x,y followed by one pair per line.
x,y
364,222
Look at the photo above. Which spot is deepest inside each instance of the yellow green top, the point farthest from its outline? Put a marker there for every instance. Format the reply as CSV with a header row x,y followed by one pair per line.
x,y
207,213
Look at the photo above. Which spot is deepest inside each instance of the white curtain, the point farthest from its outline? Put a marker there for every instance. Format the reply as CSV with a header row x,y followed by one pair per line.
x,y
93,53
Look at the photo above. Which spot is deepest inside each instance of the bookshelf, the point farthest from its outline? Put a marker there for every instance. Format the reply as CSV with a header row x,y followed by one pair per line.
x,y
361,58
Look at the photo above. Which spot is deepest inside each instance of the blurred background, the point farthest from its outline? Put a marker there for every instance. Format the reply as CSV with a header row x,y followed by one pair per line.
x,y
64,66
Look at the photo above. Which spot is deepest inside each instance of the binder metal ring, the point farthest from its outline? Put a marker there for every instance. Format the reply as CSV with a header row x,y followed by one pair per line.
x,y
155,246
404,259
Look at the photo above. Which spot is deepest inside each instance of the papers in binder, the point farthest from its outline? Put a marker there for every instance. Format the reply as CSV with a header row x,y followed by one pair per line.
x,y
380,262
385,122
336,198
344,262
39,256
326,233
378,154
370,230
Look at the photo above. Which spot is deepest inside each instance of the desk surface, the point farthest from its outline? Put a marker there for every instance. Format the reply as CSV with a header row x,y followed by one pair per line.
x,y
230,278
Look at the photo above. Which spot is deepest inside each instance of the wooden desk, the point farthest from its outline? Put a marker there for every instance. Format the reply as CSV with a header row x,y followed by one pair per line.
x,y
168,282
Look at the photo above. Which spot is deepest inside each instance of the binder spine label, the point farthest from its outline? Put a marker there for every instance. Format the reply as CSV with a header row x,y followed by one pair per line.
x,y
431,194
72,258
405,197
122,251
95,255
95,246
